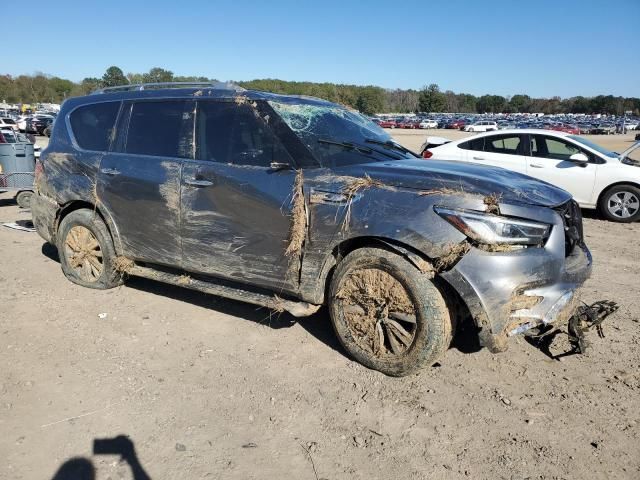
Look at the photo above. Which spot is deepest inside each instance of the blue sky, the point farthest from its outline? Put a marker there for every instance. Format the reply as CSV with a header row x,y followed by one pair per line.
x,y
538,47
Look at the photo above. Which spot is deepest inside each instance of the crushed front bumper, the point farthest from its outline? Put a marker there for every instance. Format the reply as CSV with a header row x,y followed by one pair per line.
x,y
510,292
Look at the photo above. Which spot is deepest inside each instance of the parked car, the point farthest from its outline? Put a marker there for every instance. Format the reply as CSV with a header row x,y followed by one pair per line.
x,y
482,126
6,122
424,124
278,201
596,177
38,124
604,129
387,123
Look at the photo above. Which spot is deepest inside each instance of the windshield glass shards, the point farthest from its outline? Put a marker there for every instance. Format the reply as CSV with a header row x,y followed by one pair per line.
x,y
338,136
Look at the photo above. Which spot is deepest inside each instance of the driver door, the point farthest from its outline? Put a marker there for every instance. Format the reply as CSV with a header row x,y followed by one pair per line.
x,y
236,209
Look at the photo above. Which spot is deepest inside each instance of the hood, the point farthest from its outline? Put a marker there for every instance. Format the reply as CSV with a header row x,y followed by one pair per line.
x,y
472,179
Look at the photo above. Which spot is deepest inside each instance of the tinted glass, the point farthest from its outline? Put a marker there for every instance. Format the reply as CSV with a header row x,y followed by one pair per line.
x,y
231,133
93,125
506,144
477,144
163,129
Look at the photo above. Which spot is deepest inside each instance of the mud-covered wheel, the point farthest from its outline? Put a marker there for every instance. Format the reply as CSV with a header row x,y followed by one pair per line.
x,y
23,199
386,314
86,250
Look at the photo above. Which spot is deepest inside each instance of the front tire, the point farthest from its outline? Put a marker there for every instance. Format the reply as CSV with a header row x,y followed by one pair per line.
x,y
86,251
386,314
621,204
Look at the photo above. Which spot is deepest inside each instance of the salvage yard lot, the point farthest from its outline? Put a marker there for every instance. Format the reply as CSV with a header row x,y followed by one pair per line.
x,y
210,388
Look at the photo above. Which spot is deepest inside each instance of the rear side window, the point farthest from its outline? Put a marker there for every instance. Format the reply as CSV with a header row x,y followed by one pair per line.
x,y
93,125
163,129
507,144
477,144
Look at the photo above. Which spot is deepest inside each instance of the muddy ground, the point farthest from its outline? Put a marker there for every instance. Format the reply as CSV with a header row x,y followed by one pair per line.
x,y
211,388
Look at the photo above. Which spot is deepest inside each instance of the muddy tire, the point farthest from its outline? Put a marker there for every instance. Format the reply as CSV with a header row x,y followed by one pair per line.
x,y
386,314
86,250
621,204
23,199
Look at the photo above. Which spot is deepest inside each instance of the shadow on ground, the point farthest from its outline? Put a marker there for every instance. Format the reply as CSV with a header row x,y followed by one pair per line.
x,y
317,325
80,468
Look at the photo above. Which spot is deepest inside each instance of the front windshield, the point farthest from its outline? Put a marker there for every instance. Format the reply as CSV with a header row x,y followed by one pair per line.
x,y
329,130
594,146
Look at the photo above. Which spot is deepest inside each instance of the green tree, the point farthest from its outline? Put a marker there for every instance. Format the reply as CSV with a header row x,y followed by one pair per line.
x,y
431,99
157,75
520,103
113,77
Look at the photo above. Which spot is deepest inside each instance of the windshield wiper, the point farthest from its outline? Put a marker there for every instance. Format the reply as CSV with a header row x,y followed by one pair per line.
x,y
392,145
358,148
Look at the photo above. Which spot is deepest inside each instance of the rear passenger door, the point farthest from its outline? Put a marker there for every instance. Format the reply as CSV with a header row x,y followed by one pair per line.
x,y
235,207
139,182
502,150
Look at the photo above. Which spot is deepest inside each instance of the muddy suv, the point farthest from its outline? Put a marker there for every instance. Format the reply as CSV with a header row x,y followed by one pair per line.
x,y
293,203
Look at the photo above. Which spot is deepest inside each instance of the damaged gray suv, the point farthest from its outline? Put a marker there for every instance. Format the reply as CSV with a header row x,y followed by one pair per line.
x,y
293,203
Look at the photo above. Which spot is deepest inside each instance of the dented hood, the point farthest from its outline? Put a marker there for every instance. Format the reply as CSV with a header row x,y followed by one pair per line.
x,y
482,180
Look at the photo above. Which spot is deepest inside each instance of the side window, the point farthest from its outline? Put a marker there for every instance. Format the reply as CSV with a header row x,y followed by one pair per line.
x,y
554,148
231,133
477,144
93,125
506,144
163,129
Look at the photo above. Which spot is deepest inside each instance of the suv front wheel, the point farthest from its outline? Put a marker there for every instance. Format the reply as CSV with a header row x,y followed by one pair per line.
x,y
386,314
86,251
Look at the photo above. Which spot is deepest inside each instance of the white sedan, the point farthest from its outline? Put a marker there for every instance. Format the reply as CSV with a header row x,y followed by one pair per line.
x,y
428,124
596,177
484,126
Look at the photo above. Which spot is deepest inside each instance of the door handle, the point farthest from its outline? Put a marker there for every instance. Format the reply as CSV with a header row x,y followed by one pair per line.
x,y
198,183
478,158
536,165
110,171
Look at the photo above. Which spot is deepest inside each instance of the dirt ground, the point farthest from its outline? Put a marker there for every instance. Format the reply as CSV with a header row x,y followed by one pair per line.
x,y
211,388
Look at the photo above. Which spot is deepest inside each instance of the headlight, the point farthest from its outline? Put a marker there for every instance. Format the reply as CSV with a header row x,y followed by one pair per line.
x,y
494,229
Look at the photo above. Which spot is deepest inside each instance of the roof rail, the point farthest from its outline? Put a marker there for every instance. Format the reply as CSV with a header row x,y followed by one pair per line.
x,y
162,85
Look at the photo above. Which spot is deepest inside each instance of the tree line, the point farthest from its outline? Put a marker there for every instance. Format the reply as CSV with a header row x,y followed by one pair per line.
x,y
369,99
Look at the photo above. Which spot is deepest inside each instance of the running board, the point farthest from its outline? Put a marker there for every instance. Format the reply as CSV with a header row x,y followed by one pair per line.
x,y
297,309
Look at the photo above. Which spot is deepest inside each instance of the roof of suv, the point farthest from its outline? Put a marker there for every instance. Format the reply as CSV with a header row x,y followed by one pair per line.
x,y
188,90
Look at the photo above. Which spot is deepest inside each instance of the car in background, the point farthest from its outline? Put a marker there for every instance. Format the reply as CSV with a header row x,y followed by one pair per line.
x,y
6,122
604,129
504,125
482,126
409,123
424,124
38,124
595,176
387,123
456,124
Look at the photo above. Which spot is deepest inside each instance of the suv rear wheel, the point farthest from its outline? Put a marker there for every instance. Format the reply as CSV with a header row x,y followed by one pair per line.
x,y
86,250
621,203
386,314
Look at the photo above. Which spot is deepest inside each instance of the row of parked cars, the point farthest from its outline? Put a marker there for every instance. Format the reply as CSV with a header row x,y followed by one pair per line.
x,y
483,123
39,123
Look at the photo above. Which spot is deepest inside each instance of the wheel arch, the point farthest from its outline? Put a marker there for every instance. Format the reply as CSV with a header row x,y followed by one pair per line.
x,y
615,184
74,205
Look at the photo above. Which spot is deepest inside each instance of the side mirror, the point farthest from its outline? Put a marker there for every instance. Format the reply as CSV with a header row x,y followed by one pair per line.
x,y
579,158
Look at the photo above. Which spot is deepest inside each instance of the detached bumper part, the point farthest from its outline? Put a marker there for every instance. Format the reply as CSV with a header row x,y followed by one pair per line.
x,y
557,310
